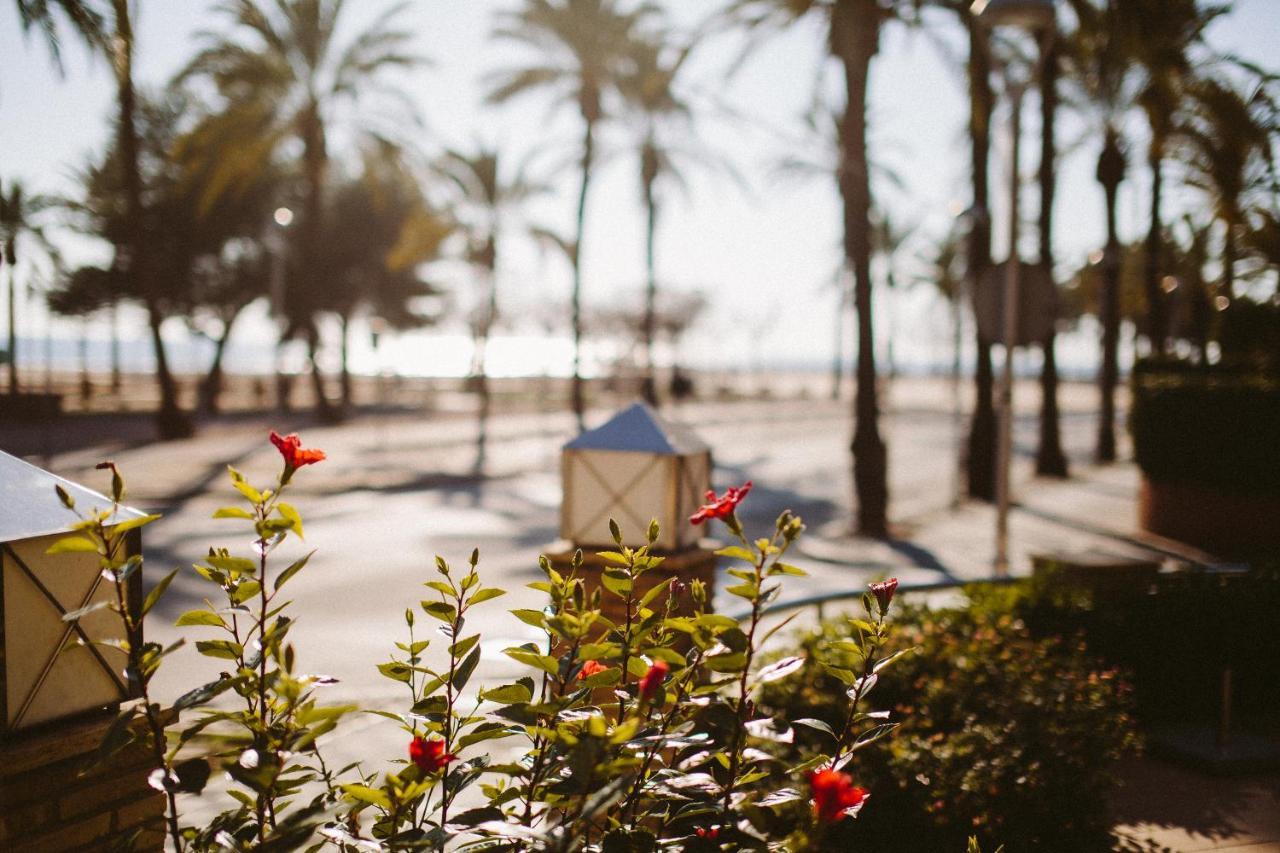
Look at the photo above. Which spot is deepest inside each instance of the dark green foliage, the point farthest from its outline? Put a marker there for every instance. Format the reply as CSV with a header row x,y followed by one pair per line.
x,y
1176,672
1213,425
1002,736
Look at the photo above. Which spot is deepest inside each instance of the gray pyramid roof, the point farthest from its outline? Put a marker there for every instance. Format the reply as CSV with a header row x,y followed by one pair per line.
x,y
639,429
30,507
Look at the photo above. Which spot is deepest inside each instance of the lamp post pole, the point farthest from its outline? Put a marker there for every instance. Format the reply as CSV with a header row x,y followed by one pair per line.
x,y
1004,434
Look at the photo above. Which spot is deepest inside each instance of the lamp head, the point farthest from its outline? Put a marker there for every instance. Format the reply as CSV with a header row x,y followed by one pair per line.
x,y
1030,15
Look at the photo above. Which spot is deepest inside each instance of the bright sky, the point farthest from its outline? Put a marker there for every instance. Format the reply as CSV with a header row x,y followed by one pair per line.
x,y
764,255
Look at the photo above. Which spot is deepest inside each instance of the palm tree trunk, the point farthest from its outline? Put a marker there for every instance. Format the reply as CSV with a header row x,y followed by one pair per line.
x,y
172,422
980,458
115,348
588,154
211,387
344,377
302,300
650,174
1157,312
837,361
855,38
1050,460
486,330
1230,251
11,297
1110,173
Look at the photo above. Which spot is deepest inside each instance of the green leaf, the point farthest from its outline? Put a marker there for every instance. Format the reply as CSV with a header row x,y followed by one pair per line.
x,y
546,663
292,570
508,694
220,649
368,796
786,569
73,545
464,670
232,512
200,617
396,671
486,594
232,565
133,523
744,590
441,610
483,732
735,552
64,496
810,722
460,648
246,591
155,594
616,581
291,515
243,487
657,590
535,618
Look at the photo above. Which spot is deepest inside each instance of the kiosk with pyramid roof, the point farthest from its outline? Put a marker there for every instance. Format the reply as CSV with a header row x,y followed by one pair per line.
x,y
633,468
50,667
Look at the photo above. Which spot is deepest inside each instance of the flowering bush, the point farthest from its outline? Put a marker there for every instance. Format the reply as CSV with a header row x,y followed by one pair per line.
x,y
638,734
1004,735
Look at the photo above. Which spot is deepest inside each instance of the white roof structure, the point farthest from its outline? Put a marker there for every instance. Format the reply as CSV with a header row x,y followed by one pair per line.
x,y
30,507
639,429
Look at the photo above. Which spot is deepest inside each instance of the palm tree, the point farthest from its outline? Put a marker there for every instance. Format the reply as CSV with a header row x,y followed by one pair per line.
x,y
485,198
980,453
651,89
852,39
1225,143
1099,62
282,74
83,17
1161,36
1050,460
19,212
586,47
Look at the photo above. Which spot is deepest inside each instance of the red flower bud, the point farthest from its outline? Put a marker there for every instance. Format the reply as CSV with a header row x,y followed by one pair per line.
x,y
590,668
720,507
834,794
290,447
709,833
429,755
883,592
651,683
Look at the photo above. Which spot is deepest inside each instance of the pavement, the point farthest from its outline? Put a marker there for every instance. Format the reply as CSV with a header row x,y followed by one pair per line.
x,y
399,488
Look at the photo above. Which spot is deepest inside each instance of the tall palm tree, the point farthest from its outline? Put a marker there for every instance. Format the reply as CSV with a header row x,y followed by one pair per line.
x,y
651,90
980,453
486,197
282,74
1226,144
19,225
586,50
852,39
84,17
1050,460
1162,35
1099,63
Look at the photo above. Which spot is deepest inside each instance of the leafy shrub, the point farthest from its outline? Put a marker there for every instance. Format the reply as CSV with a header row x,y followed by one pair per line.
x,y
1174,669
631,736
1207,425
1002,736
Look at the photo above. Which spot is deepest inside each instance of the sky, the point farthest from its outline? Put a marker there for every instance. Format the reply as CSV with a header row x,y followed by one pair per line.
x,y
764,249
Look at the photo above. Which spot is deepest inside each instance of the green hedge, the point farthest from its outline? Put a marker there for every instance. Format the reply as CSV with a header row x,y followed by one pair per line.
x,y
1004,736
1207,425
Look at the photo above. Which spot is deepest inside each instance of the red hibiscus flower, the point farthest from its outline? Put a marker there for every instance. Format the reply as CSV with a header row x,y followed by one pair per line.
x,y
883,592
429,755
651,683
834,794
290,447
720,507
590,668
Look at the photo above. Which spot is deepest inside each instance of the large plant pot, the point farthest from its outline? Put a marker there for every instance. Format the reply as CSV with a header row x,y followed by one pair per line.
x,y
1210,518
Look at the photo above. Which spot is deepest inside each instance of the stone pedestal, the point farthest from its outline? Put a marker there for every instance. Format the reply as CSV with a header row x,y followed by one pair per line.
x,y
686,565
51,801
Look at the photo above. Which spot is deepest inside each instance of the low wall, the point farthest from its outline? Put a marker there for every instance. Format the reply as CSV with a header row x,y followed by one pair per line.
x,y
1212,519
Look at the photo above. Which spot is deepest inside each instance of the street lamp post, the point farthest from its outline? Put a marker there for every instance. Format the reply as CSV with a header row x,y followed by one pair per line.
x,y
1038,17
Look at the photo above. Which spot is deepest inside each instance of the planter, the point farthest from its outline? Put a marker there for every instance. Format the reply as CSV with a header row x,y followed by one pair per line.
x,y
1210,518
